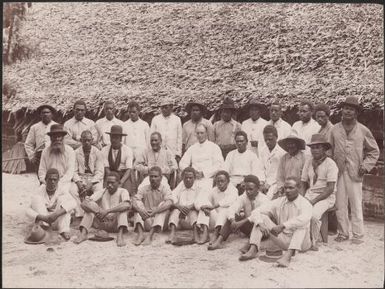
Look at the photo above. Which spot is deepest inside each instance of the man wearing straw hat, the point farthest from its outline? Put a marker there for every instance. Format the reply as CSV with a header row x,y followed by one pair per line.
x,y
52,205
356,152
196,111
170,127
118,157
319,178
37,138
59,156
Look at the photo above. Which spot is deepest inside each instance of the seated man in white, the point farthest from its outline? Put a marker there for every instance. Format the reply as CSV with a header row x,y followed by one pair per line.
x,y
319,177
89,171
270,155
156,156
213,207
184,213
205,157
51,205
242,162
237,214
290,229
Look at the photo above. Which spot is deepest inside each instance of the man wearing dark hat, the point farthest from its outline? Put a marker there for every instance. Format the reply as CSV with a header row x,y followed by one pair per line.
x,y
76,125
321,114
170,127
196,112
52,205
356,152
246,202
288,231
59,156
292,162
37,138
254,125
226,127
319,178
118,157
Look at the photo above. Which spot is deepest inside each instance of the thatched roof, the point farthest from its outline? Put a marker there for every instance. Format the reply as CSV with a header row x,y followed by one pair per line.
x,y
203,51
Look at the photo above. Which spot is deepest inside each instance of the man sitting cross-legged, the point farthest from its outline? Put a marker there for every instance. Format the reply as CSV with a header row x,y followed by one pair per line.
x,y
319,177
247,202
110,211
290,228
213,206
52,205
185,214
152,204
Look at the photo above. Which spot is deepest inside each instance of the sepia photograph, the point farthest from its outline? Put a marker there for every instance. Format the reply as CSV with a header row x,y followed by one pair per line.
x,y
192,145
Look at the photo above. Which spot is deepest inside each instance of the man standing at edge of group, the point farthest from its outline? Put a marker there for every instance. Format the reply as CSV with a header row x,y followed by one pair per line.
x,y
254,125
196,111
37,138
104,124
356,152
226,127
76,125
170,127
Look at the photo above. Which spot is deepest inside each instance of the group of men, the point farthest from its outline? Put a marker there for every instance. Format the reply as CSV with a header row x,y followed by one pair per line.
x,y
267,179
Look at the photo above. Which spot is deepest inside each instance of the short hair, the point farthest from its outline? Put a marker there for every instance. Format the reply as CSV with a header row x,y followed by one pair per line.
x,y
133,104
114,174
109,102
80,102
189,170
224,173
296,180
156,133
251,179
201,125
241,133
84,132
308,103
270,129
52,171
155,169
322,107
276,102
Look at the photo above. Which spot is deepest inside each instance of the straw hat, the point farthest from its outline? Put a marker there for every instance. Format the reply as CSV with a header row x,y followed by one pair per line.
x,y
190,104
36,236
300,142
351,101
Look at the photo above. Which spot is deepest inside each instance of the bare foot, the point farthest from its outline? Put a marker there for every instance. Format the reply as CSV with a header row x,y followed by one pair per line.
x,y
139,240
216,245
171,239
314,247
81,238
120,241
247,256
147,241
66,235
245,248
284,261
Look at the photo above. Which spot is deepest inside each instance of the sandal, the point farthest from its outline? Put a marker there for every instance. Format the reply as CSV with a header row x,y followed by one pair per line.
x,y
341,238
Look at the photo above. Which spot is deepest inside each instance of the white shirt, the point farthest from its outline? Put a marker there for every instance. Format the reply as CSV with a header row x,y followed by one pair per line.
x,y
283,128
206,157
75,129
223,199
103,125
239,165
270,162
243,202
126,160
306,130
171,130
37,138
138,134
254,130
186,196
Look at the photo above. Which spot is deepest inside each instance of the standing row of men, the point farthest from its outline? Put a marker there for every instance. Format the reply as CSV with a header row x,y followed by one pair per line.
x,y
247,153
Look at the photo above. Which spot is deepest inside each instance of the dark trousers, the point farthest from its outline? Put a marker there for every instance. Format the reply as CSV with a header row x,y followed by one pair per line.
x,y
246,229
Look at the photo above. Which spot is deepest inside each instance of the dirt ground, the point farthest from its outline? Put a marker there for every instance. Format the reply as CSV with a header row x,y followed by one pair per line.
x,y
93,264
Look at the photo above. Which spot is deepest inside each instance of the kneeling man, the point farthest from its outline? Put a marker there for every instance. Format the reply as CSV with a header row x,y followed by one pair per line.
x,y
290,228
152,204
110,207
52,205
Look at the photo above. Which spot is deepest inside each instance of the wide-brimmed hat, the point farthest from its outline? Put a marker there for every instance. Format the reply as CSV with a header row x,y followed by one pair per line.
x,y
254,102
56,129
228,103
36,236
319,139
351,101
116,130
101,236
41,107
283,142
190,104
166,101
271,256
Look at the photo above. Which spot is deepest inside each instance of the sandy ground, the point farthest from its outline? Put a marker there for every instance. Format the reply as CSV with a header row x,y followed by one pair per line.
x,y
93,264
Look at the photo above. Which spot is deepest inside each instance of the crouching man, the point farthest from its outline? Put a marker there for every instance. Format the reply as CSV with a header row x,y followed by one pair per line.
x,y
185,214
52,205
235,220
290,230
152,204
110,207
